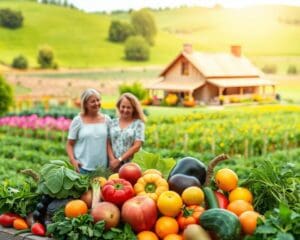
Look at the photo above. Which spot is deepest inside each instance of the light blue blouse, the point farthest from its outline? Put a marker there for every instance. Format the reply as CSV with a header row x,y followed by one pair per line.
x,y
123,139
91,142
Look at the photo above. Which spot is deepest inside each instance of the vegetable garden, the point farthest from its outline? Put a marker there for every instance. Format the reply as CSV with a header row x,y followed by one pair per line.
x,y
252,195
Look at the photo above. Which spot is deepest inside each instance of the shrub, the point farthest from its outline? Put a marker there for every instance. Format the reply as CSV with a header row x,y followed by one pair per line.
x,y
45,57
136,48
6,96
20,62
119,31
144,24
136,89
11,19
269,68
292,69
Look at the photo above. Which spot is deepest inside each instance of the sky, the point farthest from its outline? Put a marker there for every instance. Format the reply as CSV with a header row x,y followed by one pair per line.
x,y
111,5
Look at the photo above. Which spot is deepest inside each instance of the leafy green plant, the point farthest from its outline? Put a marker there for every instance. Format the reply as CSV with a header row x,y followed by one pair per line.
x,y
281,223
148,160
59,180
136,89
272,184
21,199
83,228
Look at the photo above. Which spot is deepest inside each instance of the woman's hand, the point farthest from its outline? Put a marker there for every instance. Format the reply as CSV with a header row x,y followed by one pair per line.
x,y
76,165
114,164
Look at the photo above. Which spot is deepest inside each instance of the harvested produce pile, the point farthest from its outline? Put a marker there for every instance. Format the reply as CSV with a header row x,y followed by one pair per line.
x,y
190,202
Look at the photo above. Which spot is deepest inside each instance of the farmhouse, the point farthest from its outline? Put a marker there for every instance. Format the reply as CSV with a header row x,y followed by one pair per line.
x,y
209,77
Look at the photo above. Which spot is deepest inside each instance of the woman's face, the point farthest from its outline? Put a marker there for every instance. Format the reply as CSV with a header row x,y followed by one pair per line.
x,y
93,104
126,109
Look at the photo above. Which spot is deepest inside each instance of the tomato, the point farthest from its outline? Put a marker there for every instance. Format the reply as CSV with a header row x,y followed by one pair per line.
x,y
7,219
189,215
169,203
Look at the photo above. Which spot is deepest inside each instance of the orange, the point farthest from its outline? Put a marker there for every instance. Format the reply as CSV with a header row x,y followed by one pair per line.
x,y
165,226
239,206
226,179
75,208
192,196
240,193
147,235
173,236
248,221
169,203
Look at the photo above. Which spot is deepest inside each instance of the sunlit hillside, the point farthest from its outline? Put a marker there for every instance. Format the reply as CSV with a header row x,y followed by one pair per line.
x,y
267,34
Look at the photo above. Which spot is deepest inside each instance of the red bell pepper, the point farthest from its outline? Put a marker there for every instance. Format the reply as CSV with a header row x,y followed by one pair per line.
x,y
222,199
117,191
7,219
38,229
189,215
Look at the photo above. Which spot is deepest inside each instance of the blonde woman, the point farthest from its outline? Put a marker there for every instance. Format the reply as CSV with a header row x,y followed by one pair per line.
x,y
126,132
87,138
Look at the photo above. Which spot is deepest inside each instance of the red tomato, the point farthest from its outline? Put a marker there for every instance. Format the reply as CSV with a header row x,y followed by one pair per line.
x,y
7,219
140,212
189,215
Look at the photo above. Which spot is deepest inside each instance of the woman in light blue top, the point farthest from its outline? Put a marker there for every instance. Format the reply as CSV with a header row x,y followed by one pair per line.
x,y
87,138
126,133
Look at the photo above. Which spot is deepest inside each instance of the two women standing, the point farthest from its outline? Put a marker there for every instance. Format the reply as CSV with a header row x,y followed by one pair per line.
x,y
95,140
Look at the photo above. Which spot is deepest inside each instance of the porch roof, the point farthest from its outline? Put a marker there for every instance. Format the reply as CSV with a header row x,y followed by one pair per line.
x,y
240,82
176,86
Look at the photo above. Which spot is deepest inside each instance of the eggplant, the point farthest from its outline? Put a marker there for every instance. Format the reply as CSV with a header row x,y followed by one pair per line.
x,y
178,182
191,167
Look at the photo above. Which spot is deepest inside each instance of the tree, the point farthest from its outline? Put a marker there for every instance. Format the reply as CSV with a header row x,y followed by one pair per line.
x,y
45,57
20,62
6,96
119,31
11,19
144,24
137,49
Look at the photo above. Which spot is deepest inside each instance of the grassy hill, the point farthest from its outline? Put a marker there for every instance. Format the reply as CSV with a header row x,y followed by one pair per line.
x,y
269,35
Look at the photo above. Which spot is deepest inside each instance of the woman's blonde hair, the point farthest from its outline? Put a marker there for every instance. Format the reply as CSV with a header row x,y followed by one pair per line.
x,y
85,96
136,105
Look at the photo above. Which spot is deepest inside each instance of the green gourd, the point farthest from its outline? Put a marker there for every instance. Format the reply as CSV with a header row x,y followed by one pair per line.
x,y
223,223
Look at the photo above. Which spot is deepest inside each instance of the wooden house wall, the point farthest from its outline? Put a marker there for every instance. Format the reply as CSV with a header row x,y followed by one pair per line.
x,y
174,73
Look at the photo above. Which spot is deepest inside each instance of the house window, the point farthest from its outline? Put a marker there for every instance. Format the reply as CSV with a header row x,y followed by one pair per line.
x,y
184,68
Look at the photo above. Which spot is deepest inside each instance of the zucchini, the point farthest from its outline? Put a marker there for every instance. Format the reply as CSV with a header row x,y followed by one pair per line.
x,y
223,223
210,198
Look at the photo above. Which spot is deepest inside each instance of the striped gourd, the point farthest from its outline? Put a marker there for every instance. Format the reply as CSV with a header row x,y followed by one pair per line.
x,y
223,223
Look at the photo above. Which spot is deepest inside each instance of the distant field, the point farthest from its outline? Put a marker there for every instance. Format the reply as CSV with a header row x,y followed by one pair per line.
x,y
79,40
70,83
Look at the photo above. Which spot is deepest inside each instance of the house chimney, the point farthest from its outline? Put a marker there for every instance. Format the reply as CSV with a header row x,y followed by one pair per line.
x,y
236,50
188,48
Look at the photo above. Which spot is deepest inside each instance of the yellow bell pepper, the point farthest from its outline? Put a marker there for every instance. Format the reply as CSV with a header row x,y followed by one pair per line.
x,y
151,185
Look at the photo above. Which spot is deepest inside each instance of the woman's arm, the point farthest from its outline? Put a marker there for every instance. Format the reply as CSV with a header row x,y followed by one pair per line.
x,y
113,162
132,150
70,151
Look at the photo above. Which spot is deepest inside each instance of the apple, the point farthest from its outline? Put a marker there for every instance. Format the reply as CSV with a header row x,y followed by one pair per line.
x,y
108,212
130,172
140,213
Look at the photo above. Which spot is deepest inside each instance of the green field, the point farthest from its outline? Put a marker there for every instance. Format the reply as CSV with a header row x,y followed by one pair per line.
x,y
79,39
